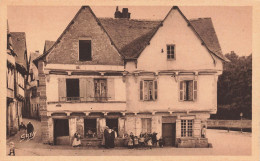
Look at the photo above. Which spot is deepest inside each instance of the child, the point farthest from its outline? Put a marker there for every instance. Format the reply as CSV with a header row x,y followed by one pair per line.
x,y
12,148
149,142
141,140
161,142
130,143
136,142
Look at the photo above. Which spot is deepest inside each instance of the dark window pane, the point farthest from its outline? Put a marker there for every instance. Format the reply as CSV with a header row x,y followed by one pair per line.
x,y
85,50
72,87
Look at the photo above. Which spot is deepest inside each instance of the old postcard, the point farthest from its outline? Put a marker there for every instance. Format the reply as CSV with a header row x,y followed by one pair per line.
x,y
150,81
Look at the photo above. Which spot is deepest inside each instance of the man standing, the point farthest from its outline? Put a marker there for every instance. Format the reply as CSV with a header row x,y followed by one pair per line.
x,y
30,129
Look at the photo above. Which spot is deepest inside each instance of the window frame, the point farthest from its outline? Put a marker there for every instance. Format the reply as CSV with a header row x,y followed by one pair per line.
x,y
73,98
183,91
186,128
100,89
82,39
148,119
174,52
142,89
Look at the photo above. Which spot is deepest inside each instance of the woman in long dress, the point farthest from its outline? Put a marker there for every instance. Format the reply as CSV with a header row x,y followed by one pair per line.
x,y
76,141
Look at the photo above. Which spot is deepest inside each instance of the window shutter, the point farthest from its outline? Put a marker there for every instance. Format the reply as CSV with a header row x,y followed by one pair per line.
x,y
155,90
90,89
195,90
190,91
181,90
83,89
62,89
110,89
149,125
141,90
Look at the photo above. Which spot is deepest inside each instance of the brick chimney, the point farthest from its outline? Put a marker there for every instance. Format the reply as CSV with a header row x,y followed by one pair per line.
x,y
123,14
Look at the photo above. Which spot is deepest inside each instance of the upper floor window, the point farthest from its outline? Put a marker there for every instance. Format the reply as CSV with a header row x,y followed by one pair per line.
x,y
186,128
10,78
72,86
34,92
20,79
188,90
100,89
170,52
148,90
85,53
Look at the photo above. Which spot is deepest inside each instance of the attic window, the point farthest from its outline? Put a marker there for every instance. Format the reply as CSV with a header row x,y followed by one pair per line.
x,y
85,50
170,52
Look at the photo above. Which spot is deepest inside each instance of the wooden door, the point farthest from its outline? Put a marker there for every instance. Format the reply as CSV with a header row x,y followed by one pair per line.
x,y
169,133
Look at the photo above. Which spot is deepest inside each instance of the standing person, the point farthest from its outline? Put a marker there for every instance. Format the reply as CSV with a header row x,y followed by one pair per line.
x,y
136,144
106,135
161,142
22,127
30,129
12,148
76,141
112,138
203,132
154,138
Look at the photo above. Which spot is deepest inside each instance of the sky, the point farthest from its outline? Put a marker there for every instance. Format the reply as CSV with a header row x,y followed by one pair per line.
x,y
233,25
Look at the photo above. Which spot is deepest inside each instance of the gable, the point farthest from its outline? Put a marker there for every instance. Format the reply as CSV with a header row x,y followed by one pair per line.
x,y
84,26
190,51
19,46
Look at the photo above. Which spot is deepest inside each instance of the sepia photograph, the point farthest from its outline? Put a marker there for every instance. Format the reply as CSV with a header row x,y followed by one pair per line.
x,y
128,80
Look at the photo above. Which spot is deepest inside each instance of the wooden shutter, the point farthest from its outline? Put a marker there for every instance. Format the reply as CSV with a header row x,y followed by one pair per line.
x,y
195,88
149,125
146,90
190,90
141,90
110,89
83,89
90,89
181,90
62,89
155,89
144,125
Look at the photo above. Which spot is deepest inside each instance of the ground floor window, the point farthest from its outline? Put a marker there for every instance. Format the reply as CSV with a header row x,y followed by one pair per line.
x,y
146,125
186,128
112,124
90,126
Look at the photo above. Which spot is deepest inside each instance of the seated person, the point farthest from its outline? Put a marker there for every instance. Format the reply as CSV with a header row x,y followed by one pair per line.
x,y
161,142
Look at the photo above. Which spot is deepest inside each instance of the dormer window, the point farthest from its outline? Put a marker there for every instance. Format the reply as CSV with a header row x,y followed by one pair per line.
x,y
85,53
170,52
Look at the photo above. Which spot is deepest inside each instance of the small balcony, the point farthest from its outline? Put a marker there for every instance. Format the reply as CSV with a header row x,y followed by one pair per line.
x,y
84,99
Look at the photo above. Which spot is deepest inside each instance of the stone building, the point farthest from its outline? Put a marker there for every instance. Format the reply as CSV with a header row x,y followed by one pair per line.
x,y
131,75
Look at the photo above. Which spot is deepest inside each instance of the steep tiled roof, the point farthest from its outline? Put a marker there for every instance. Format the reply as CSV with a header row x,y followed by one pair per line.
x,y
48,45
204,27
130,36
19,45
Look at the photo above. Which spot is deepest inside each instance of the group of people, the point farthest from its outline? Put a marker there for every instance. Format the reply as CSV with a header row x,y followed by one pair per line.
x,y
144,140
109,136
29,129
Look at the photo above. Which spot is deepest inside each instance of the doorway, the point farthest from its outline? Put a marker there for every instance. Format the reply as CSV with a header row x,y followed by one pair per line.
x,y
61,132
169,133
112,124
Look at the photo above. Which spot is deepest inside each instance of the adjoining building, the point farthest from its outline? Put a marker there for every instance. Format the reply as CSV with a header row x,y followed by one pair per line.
x,y
33,103
130,75
17,64
11,117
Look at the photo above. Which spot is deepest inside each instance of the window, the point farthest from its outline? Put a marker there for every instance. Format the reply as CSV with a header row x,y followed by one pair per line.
x,y
72,86
34,92
20,79
148,90
10,78
186,128
100,89
170,51
85,50
146,125
188,90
